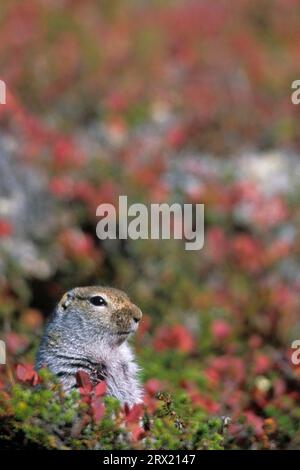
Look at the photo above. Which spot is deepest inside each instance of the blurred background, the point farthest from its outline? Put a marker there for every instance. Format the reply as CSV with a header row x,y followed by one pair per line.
x,y
162,101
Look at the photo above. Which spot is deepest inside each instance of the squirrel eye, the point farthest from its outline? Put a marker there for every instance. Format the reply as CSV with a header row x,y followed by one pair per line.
x,y
98,301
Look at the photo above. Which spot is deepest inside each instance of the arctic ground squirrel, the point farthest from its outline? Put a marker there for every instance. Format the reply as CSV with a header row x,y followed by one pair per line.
x,y
88,332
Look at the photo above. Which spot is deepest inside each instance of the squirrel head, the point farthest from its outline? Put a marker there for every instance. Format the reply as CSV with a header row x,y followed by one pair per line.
x,y
99,311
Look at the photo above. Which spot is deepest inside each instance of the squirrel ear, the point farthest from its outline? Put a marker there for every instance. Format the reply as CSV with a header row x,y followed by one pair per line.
x,y
66,300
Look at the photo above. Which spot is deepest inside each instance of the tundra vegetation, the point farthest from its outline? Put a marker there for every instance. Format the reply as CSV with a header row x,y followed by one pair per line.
x,y
164,101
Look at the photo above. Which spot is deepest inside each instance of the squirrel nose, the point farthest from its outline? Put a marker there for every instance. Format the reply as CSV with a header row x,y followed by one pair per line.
x,y
137,314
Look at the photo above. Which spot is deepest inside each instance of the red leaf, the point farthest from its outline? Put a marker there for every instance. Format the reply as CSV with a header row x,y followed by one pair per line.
x,y
176,137
26,373
35,379
85,398
221,330
153,386
16,343
100,389
133,414
175,337
6,228
98,408
21,373
84,382
126,409
138,433
256,422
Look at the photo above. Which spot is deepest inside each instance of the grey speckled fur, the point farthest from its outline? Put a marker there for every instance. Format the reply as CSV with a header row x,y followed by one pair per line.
x,y
81,336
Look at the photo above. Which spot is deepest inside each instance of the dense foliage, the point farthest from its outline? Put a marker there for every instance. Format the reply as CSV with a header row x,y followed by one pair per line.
x,y
160,101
